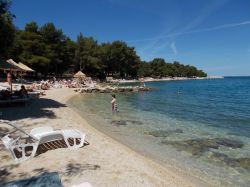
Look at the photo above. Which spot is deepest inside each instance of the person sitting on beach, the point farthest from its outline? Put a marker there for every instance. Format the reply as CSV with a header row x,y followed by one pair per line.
x,y
23,92
5,94
113,104
44,86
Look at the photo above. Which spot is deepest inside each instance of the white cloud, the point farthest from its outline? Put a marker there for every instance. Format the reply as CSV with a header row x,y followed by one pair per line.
x,y
173,47
225,26
154,46
167,32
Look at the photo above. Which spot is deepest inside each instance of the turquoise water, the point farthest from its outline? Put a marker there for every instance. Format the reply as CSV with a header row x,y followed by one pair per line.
x,y
198,127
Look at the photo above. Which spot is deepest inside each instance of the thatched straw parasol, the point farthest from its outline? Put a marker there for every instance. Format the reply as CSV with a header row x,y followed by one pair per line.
x,y
25,68
10,65
79,74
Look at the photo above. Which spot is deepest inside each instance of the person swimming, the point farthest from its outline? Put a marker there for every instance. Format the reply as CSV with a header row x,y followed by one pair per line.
x,y
113,104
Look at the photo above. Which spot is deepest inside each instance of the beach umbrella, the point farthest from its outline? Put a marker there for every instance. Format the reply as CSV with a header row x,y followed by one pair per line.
x,y
79,74
11,66
24,67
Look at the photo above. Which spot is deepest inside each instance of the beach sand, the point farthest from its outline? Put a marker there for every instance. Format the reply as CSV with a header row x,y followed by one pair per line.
x,y
104,162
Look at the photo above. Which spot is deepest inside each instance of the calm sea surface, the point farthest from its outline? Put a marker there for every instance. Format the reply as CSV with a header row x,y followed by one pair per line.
x,y
198,127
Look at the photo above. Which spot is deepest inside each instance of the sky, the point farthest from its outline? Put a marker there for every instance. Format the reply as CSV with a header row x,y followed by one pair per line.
x,y
213,35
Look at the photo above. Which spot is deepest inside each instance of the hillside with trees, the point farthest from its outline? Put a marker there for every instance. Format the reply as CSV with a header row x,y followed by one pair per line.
x,y
47,50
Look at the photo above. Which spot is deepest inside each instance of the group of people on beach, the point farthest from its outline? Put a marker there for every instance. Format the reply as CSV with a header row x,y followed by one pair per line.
x,y
6,94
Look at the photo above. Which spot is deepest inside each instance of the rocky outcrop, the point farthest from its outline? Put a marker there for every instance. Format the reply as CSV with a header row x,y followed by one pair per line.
x,y
233,162
109,89
163,133
199,146
126,122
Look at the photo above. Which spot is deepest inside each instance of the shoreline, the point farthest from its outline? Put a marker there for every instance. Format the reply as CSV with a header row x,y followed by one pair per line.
x,y
104,162
194,180
150,79
169,168
177,165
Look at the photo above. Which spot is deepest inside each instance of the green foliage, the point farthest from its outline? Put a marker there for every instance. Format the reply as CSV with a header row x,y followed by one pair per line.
x,y
119,59
31,27
7,29
87,55
30,48
159,68
47,50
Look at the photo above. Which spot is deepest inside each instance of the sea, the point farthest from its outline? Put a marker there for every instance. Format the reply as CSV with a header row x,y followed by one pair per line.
x,y
200,128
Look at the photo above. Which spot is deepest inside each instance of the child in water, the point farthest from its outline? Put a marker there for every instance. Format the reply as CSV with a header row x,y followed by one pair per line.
x,y
113,104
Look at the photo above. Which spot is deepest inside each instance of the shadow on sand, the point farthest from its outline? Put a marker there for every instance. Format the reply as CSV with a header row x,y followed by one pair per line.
x,y
6,172
44,179
35,109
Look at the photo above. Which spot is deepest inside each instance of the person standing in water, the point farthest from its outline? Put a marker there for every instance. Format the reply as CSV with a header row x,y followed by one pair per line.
x,y
113,104
142,82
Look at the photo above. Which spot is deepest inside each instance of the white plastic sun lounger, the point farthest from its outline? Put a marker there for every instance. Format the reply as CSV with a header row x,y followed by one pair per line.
x,y
22,151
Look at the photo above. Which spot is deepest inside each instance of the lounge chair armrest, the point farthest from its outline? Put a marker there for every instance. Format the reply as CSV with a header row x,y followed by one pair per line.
x,y
15,141
74,134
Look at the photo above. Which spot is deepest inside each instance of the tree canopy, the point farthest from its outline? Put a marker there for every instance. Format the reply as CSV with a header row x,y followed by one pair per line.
x,y
159,68
7,29
49,51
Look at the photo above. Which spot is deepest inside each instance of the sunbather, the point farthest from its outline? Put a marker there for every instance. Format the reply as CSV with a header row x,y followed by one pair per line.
x,y
5,94
23,92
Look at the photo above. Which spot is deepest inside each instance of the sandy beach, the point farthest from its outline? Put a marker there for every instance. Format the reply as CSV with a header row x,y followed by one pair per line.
x,y
104,162
124,93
